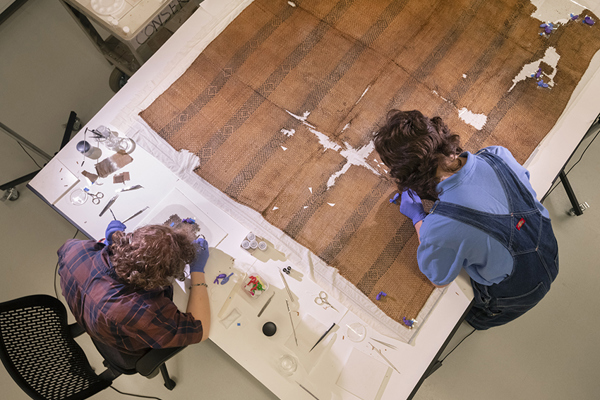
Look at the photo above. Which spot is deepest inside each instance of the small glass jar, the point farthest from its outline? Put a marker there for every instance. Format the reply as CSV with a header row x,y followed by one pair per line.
x,y
287,364
78,197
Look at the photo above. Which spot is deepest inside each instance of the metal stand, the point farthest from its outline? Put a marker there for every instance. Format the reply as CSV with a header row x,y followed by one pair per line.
x,y
577,208
11,192
436,363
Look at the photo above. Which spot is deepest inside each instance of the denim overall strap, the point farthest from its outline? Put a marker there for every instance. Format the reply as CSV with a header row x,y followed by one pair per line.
x,y
519,197
520,230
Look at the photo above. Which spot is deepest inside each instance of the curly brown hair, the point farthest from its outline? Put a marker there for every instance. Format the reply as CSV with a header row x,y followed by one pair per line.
x,y
151,256
413,146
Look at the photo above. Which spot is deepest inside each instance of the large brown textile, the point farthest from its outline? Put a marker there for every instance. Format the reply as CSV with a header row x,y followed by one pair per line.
x,y
342,65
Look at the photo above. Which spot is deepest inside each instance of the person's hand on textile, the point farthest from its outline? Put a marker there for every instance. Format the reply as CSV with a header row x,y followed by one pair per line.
x,y
412,206
113,226
201,255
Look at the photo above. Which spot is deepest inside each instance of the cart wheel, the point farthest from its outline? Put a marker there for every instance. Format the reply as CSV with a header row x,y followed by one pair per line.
x,y
117,80
10,194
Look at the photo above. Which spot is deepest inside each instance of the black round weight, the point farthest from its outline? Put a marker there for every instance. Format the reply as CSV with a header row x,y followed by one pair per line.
x,y
269,329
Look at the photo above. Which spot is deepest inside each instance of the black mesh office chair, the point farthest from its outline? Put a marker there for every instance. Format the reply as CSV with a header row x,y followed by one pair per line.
x,y
148,365
38,349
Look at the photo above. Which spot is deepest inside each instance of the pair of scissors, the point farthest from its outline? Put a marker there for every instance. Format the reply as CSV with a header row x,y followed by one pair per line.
x,y
322,300
95,197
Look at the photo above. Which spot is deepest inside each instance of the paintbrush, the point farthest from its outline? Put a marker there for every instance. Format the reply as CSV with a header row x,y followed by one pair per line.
x,y
322,337
307,390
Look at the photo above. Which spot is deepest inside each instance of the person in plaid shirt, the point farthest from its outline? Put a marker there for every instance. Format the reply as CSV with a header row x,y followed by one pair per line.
x,y
120,289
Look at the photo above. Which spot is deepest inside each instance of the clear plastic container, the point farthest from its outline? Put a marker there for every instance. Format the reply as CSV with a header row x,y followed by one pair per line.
x,y
253,285
356,332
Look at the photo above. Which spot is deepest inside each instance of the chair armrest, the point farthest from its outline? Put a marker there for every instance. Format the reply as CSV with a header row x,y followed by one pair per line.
x,y
76,329
152,360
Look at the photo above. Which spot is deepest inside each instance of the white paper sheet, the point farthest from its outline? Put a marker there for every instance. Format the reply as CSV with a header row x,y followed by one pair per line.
x,y
57,181
364,376
308,332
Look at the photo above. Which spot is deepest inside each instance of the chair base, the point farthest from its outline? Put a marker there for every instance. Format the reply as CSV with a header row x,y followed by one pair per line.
x,y
169,383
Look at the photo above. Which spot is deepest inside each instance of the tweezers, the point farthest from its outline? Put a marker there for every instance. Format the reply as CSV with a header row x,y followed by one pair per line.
x,y
384,357
137,213
291,321
391,346
266,304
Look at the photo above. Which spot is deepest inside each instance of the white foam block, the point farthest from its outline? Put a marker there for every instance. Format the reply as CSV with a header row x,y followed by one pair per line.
x,y
176,203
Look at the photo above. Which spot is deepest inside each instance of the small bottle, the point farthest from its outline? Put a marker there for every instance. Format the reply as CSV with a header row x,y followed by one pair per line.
x,y
262,245
245,245
251,236
253,244
85,148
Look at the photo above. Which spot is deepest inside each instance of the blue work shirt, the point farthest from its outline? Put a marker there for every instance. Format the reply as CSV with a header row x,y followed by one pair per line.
x,y
447,245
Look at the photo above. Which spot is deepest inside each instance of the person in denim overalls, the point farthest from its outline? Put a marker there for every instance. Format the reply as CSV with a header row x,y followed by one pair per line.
x,y
486,219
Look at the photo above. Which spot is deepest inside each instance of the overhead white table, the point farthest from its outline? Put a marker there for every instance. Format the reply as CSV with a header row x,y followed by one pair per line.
x,y
245,342
160,169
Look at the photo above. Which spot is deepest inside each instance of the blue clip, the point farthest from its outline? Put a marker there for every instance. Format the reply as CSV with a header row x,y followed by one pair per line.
x,y
395,198
380,295
226,279
220,276
408,322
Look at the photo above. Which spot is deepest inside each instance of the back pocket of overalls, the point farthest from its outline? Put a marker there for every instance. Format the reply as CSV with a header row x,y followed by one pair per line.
x,y
525,301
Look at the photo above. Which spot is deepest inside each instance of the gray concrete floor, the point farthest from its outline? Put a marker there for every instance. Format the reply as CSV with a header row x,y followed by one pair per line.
x,y
48,68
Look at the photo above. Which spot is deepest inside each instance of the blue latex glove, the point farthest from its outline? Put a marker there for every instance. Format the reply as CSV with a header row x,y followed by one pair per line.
x,y
413,209
201,255
113,226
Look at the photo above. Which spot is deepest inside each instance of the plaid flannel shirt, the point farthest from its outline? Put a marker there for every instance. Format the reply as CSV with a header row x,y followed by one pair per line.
x,y
111,312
